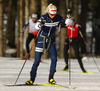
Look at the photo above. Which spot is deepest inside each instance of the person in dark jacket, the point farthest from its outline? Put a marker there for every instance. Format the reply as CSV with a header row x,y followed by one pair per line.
x,y
47,25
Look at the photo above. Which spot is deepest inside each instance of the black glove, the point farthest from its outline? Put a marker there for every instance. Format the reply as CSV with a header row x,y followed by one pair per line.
x,y
80,28
42,22
62,24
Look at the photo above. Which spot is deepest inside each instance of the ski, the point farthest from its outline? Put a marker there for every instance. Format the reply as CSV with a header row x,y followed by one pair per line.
x,y
56,85
87,72
22,85
65,70
79,72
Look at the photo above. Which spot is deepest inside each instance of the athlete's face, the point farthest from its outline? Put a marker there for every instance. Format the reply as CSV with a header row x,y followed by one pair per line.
x,y
34,19
68,15
52,15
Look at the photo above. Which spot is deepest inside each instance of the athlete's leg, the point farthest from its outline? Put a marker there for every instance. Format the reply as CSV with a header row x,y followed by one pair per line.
x,y
76,49
35,65
53,55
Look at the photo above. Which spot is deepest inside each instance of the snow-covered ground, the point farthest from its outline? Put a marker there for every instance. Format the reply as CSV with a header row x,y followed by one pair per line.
x,y
10,68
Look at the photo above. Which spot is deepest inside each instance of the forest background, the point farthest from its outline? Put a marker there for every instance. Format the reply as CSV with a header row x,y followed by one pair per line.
x,y
15,13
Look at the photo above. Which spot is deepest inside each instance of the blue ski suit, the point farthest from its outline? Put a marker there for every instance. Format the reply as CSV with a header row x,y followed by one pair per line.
x,y
45,39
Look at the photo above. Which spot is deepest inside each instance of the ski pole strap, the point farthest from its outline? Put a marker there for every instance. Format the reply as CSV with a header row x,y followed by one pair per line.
x,y
44,40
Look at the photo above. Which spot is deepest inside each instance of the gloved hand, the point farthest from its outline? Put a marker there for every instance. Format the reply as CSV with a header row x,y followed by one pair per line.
x,y
62,24
68,22
23,31
80,28
42,22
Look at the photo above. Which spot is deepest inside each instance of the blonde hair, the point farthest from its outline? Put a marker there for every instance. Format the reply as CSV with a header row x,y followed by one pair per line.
x,y
50,6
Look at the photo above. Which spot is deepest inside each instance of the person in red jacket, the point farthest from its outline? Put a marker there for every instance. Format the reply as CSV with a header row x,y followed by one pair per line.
x,y
72,32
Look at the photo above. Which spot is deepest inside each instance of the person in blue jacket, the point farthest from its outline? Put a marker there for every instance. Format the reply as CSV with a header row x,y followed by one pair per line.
x,y
47,25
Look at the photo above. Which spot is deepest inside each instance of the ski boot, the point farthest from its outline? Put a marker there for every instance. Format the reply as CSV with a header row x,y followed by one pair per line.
x,y
52,81
29,82
66,67
84,71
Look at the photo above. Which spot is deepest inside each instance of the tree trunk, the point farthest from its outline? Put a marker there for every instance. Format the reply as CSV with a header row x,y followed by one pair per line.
x,y
26,19
83,19
44,4
34,8
62,12
20,27
11,24
67,4
18,31
1,28
95,16
7,27
75,4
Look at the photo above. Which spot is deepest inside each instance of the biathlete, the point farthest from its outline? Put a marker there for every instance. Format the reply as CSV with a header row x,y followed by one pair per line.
x,y
32,32
73,33
47,25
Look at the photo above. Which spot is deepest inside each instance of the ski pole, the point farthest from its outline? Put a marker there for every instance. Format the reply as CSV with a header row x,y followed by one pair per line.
x,y
25,61
20,71
58,34
89,50
26,58
69,64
